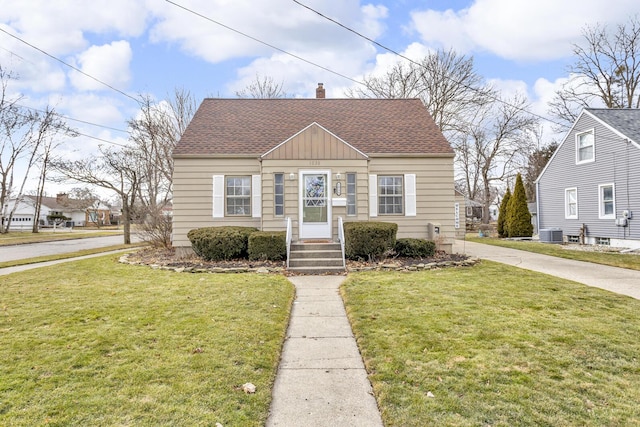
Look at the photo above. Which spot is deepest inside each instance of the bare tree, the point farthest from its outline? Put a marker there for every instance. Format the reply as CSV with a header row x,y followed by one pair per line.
x,y
113,170
493,146
447,84
155,131
606,70
23,134
263,88
51,128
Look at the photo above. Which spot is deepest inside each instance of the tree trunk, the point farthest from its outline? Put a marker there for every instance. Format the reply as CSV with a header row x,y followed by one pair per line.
x,y
126,220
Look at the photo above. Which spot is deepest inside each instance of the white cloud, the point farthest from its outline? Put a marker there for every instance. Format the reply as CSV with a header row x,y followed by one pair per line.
x,y
519,30
108,63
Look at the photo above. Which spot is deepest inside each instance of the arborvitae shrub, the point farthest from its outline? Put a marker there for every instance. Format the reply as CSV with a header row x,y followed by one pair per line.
x,y
502,215
269,245
369,240
518,216
415,248
220,243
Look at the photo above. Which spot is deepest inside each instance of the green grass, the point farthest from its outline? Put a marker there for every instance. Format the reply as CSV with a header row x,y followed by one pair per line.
x,y
498,346
94,342
630,261
22,237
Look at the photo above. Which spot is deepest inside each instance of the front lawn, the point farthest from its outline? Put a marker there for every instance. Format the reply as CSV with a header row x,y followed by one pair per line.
x,y
95,342
496,345
613,259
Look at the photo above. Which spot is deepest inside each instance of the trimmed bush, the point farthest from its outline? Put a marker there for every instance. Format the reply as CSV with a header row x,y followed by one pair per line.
x,y
415,248
502,215
518,216
369,240
220,243
271,245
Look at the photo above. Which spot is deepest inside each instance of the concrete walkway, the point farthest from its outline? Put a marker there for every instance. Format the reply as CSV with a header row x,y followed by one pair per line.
x,y
321,379
619,280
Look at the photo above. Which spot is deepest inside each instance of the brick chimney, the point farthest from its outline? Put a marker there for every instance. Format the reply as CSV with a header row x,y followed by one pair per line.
x,y
62,198
320,91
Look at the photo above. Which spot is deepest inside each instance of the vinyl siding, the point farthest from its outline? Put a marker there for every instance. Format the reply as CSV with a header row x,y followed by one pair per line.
x,y
616,162
193,194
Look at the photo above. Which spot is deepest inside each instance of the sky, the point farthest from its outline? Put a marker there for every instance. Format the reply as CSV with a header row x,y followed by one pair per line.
x,y
214,48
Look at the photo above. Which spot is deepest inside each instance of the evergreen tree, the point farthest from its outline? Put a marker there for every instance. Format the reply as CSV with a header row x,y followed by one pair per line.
x,y
518,216
502,215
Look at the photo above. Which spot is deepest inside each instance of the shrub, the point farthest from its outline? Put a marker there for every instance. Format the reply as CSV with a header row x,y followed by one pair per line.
x,y
220,243
369,240
415,248
518,216
502,215
271,245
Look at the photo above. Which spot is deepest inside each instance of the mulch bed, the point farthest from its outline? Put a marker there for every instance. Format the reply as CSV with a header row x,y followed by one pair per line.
x,y
167,258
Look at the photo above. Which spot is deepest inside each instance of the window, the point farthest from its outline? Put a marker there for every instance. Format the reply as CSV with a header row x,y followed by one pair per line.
x,y
278,194
351,194
571,203
238,192
585,147
390,196
607,201
605,241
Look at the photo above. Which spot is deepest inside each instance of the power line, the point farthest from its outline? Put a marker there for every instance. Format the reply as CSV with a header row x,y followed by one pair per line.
x,y
263,42
495,98
69,65
76,120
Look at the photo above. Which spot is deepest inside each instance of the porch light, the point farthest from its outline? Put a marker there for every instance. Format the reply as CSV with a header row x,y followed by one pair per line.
x,y
338,176
292,176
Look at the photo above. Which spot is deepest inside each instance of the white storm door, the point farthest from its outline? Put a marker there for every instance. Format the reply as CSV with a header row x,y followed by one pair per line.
x,y
315,204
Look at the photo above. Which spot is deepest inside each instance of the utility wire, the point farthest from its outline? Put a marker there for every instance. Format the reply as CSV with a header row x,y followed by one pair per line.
x,y
495,98
69,65
75,120
263,42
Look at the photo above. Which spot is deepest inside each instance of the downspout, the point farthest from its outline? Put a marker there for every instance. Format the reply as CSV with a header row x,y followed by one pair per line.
x,y
538,207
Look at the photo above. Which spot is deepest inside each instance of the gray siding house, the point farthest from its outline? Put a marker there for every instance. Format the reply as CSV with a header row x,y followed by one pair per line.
x,y
267,163
590,189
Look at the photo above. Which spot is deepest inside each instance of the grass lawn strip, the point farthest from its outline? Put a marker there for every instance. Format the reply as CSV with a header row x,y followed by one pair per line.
x,y
23,237
95,342
630,261
498,346
67,255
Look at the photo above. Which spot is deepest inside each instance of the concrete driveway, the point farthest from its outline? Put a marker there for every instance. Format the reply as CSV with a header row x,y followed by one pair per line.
x,y
618,280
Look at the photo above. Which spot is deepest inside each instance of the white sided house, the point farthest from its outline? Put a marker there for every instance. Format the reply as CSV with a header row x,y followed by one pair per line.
x,y
311,163
589,192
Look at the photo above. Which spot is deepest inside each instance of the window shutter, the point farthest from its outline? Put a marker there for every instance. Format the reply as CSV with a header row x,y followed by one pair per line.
x,y
218,196
373,196
410,194
256,196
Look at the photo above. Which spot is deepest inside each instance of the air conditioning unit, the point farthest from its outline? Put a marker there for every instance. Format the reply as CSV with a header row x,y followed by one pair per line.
x,y
551,235
621,222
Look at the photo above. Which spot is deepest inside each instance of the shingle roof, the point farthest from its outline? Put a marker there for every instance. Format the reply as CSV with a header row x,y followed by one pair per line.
x,y
254,126
626,120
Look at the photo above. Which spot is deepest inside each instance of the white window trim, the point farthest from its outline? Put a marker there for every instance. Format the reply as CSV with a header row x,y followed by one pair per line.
x,y
373,196
218,196
601,213
593,159
566,203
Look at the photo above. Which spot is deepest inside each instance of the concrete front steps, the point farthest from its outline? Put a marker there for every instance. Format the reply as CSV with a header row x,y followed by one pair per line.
x,y
316,258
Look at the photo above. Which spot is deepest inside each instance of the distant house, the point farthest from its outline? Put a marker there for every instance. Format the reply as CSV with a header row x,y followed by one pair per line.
x,y
590,188
261,162
53,210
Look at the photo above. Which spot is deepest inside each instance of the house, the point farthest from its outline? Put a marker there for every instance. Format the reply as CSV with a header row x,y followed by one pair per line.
x,y
264,162
590,188
53,210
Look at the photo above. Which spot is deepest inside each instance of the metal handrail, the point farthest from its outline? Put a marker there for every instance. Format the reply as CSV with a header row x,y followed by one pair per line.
x,y
289,237
341,239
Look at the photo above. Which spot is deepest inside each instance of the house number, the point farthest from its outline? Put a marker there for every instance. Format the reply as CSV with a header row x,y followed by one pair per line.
x,y
314,163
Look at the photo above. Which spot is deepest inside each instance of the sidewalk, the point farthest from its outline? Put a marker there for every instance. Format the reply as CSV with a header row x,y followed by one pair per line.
x,y
321,379
619,280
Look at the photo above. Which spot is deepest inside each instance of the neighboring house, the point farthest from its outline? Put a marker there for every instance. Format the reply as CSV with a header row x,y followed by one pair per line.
x,y
590,188
257,162
55,207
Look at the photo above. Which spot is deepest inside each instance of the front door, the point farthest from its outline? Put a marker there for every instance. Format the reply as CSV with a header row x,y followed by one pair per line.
x,y
315,206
